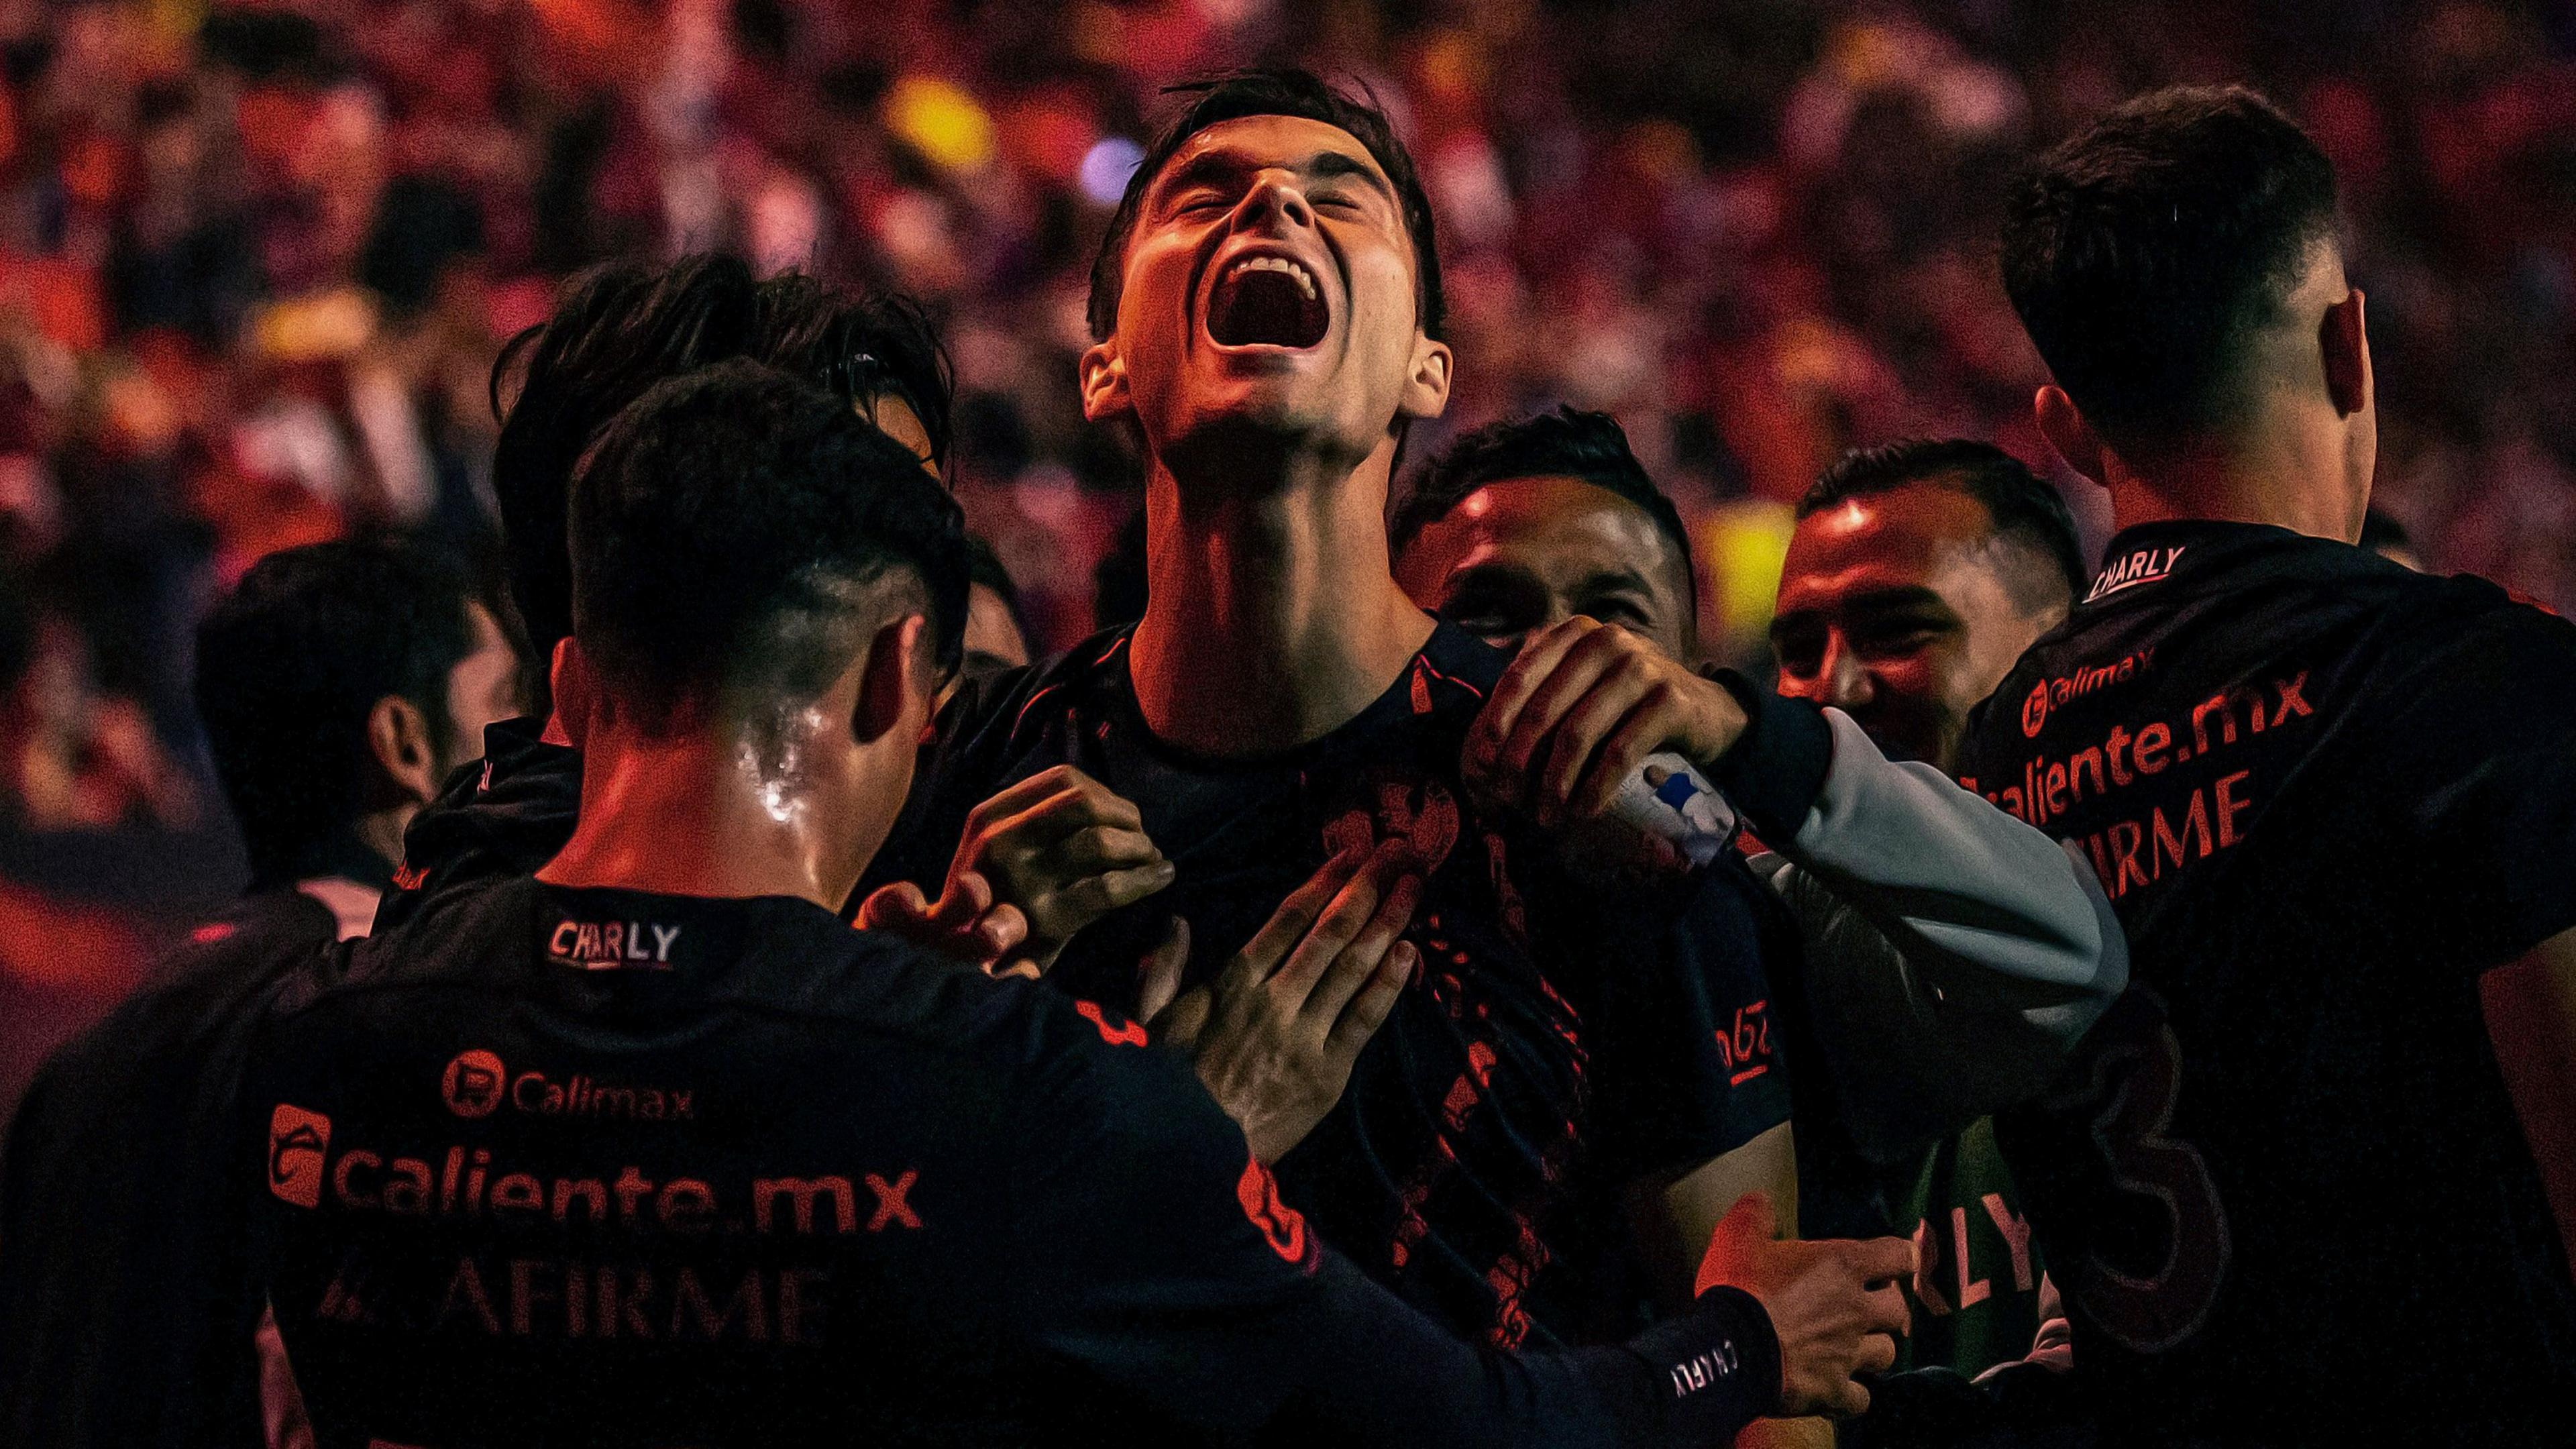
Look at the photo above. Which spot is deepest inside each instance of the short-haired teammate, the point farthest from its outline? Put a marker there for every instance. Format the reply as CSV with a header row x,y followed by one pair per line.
x,y
2289,1200
1530,521
1904,596
339,685
652,1148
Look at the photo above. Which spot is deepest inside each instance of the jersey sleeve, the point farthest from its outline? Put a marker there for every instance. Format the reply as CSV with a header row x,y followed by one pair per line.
x,y
2475,739
1687,1062
1148,1246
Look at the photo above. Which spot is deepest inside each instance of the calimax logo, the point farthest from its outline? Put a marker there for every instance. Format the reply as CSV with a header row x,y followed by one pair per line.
x,y
476,1084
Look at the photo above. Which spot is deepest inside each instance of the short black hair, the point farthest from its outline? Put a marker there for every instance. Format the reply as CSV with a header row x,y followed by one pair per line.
x,y
1281,91
291,663
621,328
2144,251
2027,509
726,535
1562,442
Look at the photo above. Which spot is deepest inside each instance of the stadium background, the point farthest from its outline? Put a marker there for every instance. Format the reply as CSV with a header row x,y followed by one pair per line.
x,y
256,259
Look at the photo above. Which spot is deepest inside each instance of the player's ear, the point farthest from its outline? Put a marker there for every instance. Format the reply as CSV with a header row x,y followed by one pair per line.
x,y
2068,432
1104,383
1426,389
404,746
895,682
569,677
2344,339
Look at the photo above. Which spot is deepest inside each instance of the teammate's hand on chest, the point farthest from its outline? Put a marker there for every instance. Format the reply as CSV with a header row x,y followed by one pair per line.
x,y
1578,712
1064,850
1275,1031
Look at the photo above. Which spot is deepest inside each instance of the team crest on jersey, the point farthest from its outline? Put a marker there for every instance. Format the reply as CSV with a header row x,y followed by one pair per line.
x,y
1399,805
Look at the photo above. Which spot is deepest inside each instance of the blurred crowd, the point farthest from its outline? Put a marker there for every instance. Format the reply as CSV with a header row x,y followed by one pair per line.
x,y
256,261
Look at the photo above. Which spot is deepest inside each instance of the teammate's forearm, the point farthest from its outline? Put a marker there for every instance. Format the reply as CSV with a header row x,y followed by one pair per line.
x,y
1383,1374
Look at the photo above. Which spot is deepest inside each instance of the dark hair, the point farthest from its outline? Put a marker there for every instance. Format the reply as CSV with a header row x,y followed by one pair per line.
x,y
2381,532
620,329
1273,92
2143,252
726,531
2026,509
1562,442
291,663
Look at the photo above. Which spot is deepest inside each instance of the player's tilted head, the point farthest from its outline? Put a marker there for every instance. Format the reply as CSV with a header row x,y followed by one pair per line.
x,y
2149,252
1271,272
619,329
740,536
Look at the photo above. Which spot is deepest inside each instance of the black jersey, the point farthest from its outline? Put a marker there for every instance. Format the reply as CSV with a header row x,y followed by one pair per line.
x,y
549,1166
1559,1045
125,1308
2283,1188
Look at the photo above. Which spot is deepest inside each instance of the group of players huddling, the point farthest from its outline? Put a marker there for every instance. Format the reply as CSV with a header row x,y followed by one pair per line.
x,y
1385,994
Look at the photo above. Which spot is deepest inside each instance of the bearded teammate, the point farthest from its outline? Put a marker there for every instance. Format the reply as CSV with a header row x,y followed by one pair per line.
x,y
719,1170
2286,1195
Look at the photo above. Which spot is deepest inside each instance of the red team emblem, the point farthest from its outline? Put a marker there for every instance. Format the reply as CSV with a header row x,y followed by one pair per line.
x,y
1404,806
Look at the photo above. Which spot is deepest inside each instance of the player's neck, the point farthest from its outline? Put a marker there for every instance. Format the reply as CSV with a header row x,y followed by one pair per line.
x,y
2272,479
684,817
1271,618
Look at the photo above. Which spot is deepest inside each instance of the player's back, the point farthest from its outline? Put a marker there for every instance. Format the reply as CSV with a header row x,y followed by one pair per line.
x,y
2283,1187
558,1166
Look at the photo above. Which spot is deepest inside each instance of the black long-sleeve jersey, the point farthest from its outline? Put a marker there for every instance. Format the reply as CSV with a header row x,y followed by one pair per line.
x,y
553,1166
2283,1187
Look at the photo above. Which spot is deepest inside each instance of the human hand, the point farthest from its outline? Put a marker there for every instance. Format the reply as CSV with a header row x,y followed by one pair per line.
x,y
1062,849
965,924
1275,1032
1578,712
1835,1306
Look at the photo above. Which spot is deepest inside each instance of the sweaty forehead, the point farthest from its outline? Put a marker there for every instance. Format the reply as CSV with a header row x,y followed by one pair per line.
x,y
1254,142
1558,528
1914,535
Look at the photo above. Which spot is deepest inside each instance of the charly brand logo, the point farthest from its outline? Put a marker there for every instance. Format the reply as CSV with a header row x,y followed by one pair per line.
x,y
2145,566
611,945
297,1142
471,1084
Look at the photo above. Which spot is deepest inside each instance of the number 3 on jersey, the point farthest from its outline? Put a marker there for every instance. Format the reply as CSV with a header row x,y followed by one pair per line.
x,y
2136,1077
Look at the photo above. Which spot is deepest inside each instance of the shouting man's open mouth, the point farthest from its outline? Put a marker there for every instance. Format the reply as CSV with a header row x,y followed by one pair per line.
x,y
1267,300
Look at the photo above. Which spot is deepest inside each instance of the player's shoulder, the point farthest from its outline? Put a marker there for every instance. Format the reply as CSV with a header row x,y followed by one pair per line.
x,y
502,816
997,712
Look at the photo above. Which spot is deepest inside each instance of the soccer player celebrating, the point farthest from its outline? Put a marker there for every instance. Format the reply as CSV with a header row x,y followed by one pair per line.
x,y
1917,575
1267,313
652,1148
2287,1196
339,684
